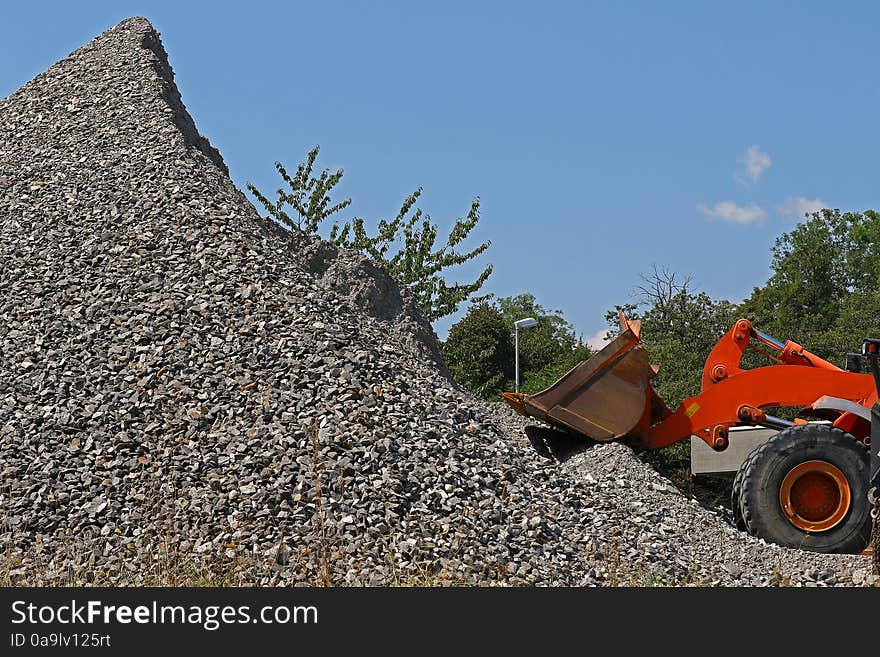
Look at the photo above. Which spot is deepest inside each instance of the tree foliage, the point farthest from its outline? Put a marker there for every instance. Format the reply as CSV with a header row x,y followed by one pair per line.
x,y
480,347
418,260
479,351
406,246
309,196
823,288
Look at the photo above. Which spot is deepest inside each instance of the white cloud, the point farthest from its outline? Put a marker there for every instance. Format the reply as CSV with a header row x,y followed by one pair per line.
x,y
755,162
731,212
795,207
597,340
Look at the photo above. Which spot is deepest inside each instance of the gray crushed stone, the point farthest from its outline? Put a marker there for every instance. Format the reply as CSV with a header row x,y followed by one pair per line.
x,y
188,391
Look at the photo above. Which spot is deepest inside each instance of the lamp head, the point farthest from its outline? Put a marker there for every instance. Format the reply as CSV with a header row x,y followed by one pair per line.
x,y
525,323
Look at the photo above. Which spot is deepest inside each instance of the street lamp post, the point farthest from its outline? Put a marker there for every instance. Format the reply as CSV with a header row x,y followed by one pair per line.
x,y
525,323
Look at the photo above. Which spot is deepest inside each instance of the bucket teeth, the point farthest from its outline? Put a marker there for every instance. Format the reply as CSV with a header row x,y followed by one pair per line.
x,y
515,399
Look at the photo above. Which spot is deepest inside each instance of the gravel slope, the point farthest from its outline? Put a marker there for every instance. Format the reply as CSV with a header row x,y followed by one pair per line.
x,y
190,394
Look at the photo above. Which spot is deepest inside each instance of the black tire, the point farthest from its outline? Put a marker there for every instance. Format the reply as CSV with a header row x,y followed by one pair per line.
x,y
766,468
734,500
736,491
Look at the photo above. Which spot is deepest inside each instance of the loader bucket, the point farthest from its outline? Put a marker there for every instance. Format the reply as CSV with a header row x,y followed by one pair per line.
x,y
606,397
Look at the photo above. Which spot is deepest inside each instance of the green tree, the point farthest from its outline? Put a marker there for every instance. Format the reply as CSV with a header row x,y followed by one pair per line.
x,y
480,348
479,351
859,318
309,196
407,246
418,261
822,290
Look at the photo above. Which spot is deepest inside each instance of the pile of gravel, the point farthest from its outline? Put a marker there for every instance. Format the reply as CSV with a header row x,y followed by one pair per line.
x,y
189,394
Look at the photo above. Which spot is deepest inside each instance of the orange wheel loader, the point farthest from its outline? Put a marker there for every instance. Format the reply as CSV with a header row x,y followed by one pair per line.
x,y
805,487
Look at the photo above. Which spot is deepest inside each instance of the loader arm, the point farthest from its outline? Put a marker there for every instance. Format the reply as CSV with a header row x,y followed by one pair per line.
x,y
733,395
735,400
725,358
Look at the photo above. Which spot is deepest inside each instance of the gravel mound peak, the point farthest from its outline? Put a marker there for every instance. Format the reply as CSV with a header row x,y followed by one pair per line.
x,y
189,393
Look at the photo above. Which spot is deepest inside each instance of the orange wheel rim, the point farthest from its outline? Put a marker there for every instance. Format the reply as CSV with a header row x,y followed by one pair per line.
x,y
815,496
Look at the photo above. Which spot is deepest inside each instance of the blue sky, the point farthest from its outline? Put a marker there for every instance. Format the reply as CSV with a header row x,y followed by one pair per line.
x,y
602,137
